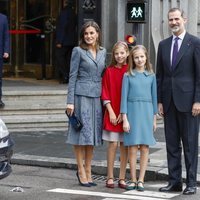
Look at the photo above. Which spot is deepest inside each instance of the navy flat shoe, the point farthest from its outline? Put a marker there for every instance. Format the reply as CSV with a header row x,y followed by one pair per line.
x,y
140,186
92,183
80,183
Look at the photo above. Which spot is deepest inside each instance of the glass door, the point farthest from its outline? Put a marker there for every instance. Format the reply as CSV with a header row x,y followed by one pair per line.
x,y
32,24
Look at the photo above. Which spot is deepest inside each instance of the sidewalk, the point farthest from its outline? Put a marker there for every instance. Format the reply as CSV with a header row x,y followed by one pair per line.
x,y
49,149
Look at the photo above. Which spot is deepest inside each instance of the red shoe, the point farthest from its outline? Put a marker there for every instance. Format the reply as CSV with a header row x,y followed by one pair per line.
x,y
121,185
110,185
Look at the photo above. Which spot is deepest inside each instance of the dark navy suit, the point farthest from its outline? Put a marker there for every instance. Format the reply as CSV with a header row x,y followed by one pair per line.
x,y
66,37
178,90
4,44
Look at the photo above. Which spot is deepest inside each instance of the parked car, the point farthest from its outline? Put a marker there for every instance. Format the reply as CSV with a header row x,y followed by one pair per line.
x,y
6,151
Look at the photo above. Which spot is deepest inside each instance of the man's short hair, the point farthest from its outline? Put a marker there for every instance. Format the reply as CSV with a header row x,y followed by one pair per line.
x,y
177,9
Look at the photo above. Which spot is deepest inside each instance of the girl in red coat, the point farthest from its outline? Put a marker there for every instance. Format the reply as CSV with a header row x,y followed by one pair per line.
x,y
112,124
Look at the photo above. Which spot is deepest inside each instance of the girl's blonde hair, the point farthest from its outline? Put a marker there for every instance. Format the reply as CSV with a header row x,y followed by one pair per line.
x,y
116,46
131,63
82,42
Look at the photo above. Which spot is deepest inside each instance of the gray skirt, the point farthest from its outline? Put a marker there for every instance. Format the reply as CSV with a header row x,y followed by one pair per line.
x,y
112,136
89,111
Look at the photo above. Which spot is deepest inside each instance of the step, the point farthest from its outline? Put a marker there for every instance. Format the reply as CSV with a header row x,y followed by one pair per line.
x,y
31,111
39,125
34,118
31,105
37,129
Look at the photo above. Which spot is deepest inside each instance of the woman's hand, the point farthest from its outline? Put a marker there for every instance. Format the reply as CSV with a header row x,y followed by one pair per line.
x,y
70,109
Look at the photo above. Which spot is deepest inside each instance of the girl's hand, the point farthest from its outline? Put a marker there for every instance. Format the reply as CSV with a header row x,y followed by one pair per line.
x,y
126,126
70,109
113,118
160,110
119,119
154,123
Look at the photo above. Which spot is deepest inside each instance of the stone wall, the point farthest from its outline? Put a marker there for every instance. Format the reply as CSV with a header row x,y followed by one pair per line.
x,y
115,27
159,22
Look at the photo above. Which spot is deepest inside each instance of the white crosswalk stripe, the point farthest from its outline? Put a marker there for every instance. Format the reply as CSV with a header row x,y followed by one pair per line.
x,y
147,195
152,194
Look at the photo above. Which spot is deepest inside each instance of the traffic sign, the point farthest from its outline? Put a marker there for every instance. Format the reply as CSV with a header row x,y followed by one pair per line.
x,y
136,12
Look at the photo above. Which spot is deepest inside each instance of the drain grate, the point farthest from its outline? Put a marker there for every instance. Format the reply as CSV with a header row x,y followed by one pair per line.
x,y
99,177
104,178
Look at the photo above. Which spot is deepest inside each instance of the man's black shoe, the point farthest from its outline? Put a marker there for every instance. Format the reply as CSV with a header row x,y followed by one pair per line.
x,y
190,190
172,188
1,104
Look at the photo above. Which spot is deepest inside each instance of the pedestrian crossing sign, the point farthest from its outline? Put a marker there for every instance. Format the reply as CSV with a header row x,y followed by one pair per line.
x,y
136,12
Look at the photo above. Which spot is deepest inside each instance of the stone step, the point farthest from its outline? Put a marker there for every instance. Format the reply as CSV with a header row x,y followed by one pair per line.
x,y
34,105
35,97
31,111
29,92
15,119
37,129
39,125
31,105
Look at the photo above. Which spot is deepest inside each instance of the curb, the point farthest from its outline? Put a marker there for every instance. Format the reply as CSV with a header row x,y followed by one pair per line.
x,y
98,167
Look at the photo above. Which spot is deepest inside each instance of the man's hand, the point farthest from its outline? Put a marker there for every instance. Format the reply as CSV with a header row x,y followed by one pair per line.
x,y
196,109
5,55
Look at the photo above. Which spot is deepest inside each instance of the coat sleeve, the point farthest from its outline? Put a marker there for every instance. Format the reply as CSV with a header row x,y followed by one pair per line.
x,y
74,67
159,73
6,39
61,26
197,71
105,95
154,95
124,94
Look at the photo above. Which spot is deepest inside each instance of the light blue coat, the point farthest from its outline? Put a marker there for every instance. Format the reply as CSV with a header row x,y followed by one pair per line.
x,y
85,73
139,102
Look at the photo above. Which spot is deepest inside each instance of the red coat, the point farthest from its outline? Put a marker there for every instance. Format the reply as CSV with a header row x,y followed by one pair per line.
x,y
111,90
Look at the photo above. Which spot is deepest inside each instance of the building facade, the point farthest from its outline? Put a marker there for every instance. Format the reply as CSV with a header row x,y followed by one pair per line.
x,y
32,26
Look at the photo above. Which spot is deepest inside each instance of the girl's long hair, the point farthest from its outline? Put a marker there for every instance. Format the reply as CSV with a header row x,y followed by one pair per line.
x,y
117,45
87,24
131,63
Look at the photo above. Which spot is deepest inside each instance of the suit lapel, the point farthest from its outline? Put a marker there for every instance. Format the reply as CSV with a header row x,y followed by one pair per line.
x,y
98,56
167,51
89,54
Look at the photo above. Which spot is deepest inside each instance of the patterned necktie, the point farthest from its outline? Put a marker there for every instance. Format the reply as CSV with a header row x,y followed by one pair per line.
x,y
175,52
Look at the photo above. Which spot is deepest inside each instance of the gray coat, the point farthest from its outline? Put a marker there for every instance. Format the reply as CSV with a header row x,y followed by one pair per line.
x,y
85,73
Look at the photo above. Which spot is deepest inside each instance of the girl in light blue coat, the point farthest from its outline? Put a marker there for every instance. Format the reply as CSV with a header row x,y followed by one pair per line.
x,y
139,108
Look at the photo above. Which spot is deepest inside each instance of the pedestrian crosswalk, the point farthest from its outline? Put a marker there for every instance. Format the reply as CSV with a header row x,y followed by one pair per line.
x,y
133,194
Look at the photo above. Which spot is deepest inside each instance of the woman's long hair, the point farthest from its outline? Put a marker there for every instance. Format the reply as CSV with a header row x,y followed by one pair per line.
x,y
87,24
131,63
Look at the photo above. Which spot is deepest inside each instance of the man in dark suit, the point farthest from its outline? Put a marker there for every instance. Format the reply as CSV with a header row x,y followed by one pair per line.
x,y
65,40
178,80
4,48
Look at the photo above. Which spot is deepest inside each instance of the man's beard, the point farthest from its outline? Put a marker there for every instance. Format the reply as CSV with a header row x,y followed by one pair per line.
x,y
175,29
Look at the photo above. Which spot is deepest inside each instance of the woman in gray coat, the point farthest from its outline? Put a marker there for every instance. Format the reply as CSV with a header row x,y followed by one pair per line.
x,y
83,99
